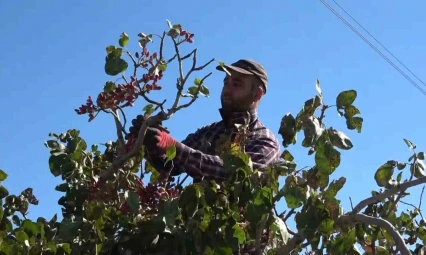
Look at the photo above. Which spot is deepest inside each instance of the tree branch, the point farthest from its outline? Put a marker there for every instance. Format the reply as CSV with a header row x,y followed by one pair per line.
x,y
382,223
387,193
162,115
195,96
119,128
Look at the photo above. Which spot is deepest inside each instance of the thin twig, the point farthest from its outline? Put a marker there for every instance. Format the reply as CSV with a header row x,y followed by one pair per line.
x,y
387,193
161,45
291,212
415,207
119,128
135,64
421,197
157,104
124,118
382,223
195,96
183,180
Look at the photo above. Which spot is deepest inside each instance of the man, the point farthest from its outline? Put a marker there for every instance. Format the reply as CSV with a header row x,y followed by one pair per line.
x,y
241,94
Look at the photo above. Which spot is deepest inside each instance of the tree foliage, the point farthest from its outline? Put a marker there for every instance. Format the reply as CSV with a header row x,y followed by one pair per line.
x,y
108,209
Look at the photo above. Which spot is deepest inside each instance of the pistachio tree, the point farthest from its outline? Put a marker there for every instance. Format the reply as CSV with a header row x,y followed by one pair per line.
x,y
107,208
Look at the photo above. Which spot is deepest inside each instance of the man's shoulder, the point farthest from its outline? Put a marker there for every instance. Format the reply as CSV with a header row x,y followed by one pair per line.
x,y
210,126
260,129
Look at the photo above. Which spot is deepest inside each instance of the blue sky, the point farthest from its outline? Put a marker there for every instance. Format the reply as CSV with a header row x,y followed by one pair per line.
x,y
53,56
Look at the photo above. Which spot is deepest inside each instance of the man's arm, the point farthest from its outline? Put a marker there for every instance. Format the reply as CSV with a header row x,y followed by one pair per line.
x,y
193,140
262,152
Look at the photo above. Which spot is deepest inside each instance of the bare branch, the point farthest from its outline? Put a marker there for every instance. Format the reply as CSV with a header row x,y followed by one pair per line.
x,y
362,218
292,243
195,96
259,233
415,207
124,118
291,212
157,104
119,128
162,45
421,198
119,162
135,64
183,180
387,193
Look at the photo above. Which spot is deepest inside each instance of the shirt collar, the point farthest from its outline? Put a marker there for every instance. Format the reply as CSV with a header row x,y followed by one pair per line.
x,y
238,117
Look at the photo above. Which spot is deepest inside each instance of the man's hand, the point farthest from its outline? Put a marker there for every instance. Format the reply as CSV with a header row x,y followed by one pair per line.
x,y
157,140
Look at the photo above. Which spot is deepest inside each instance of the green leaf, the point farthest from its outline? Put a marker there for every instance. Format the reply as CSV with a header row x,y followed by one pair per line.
x,y
114,66
94,210
401,166
418,169
31,228
334,187
222,64
310,106
280,227
327,158
399,177
384,174
124,40
67,230
189,198
287,155
22,238
420,155
288,130
53,145
3,192
294,195
345,98
170,153
339,139
239,233
311,129
109,86
355,123
62,187
169,23
162,67
317,86
55,163
204,91
193,90
133,201
327,226
3,175
409,144
16,220
149,109
155,177
351,111
382,250
197,81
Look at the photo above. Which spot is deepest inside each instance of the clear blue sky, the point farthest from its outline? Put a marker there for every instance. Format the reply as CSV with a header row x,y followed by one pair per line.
x,y
53,55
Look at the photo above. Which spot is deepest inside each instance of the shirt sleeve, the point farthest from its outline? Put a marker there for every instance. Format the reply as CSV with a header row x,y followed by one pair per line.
x,y
193,140
262,151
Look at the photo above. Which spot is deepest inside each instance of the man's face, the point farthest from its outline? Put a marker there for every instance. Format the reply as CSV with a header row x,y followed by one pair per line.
x,y
237,92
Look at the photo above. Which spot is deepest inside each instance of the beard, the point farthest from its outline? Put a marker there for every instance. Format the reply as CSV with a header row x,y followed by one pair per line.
x,y
237,105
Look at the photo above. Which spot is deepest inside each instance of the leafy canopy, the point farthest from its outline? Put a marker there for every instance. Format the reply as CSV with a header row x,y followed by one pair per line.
x,y
108,209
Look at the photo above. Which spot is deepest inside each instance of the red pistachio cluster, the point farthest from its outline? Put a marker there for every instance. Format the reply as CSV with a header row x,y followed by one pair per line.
x,y
188,36
89,108
149,197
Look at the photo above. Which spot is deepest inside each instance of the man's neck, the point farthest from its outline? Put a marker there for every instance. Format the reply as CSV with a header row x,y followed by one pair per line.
x,y
237,117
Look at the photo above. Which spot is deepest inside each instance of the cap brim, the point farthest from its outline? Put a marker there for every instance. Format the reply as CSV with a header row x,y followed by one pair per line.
x,y
233,68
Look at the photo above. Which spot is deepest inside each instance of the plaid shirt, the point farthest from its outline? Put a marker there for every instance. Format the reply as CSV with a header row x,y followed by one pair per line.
x,y
196,154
